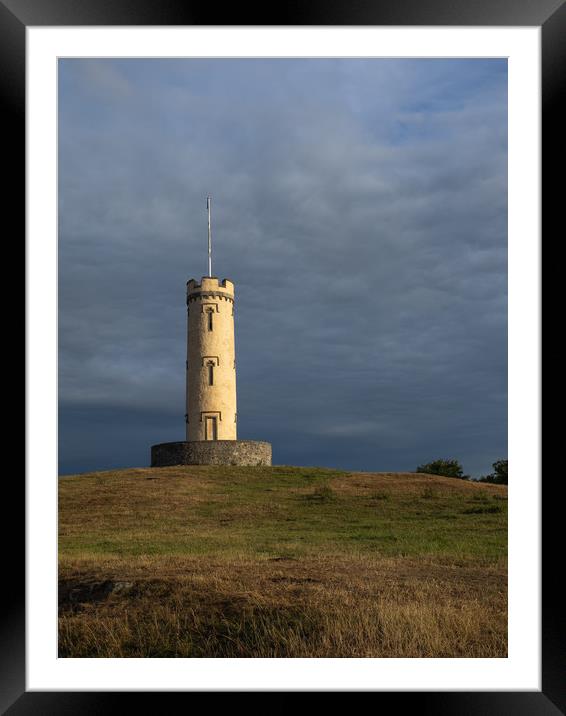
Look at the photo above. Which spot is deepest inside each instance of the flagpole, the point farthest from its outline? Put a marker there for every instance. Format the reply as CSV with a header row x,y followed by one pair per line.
x,y
208,198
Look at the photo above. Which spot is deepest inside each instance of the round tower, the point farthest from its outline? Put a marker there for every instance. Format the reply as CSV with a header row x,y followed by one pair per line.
x,y
211,361
211,382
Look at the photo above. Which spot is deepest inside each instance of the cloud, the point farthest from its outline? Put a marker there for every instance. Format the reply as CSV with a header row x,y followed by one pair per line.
x,y
104,80
361,209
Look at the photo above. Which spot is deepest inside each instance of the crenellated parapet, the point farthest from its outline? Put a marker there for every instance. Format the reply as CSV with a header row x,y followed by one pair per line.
x,y
210,287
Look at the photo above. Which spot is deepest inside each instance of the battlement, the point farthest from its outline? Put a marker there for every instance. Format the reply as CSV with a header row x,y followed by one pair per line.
x,y
210,287
210,283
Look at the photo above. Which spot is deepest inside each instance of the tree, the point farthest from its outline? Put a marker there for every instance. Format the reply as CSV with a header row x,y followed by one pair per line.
x,y
448,468
499,474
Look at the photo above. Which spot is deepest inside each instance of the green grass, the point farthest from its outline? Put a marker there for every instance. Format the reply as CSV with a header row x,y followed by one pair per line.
x,y
256,511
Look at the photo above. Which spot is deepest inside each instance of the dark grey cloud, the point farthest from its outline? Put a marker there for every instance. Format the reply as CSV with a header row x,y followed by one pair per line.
x,y
359,206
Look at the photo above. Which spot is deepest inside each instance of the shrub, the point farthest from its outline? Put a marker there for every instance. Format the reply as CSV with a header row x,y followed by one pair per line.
x,y
448,468
499,474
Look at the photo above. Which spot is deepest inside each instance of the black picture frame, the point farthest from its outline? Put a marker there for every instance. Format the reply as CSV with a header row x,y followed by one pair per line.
x,y
15,16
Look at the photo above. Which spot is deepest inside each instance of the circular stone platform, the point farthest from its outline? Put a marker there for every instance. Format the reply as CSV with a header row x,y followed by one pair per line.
x,y
211,452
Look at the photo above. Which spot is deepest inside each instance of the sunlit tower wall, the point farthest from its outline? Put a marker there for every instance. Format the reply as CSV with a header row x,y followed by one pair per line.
x,y
211,428
211,361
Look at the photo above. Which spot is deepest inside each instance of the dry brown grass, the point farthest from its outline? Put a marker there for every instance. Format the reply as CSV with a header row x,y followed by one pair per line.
x,y
283,608
278,564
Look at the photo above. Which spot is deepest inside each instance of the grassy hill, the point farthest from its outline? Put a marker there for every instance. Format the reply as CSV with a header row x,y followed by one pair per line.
x,y
281,562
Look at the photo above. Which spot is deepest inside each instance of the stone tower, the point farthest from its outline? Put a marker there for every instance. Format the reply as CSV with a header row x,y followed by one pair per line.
x,y
210,398
211,360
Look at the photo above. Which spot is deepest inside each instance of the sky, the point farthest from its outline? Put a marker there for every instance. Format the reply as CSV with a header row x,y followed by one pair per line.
x,y
359,206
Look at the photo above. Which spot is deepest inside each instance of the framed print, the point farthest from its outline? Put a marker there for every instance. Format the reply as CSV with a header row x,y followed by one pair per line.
x,y
41,46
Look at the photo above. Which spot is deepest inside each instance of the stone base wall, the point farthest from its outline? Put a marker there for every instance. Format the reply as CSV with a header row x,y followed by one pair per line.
x,y
211,452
